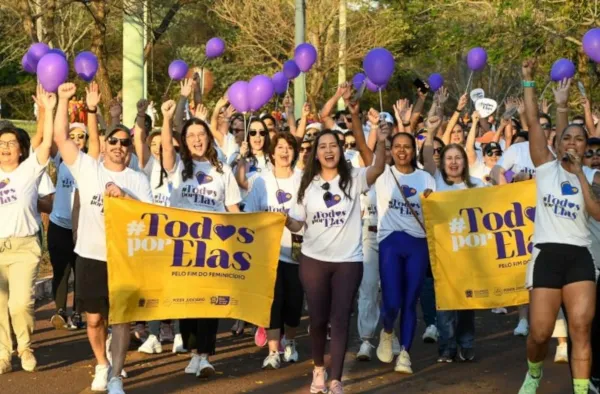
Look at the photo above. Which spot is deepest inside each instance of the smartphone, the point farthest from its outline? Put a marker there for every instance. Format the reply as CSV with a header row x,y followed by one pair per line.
x,y
359,93
421,85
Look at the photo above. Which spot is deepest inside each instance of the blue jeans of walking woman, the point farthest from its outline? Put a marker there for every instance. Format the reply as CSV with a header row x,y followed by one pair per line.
x,y
456,328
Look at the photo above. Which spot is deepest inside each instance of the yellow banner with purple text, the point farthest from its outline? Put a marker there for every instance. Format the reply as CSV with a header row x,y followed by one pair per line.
x,y
167,263
480,243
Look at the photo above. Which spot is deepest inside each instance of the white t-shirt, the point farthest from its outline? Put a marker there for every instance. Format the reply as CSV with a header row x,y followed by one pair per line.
x,y
442,186
92,178
19,197
208,190
275,195
517,159
161,195
333,229
394,214
368,207
560,215
229,151
253,170
45,188
480,171
595,237
65,195
352,157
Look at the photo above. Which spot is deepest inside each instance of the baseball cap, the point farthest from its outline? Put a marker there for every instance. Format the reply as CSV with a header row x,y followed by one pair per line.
x,y
80,126
387,117
315,125
492,146
486,138
117,128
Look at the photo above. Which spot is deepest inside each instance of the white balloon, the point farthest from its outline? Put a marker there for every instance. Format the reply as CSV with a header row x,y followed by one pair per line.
x,y
477,94
486,107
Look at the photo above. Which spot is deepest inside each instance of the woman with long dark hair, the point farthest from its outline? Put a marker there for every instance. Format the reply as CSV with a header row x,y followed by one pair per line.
x,y
254,155
328,208
200,183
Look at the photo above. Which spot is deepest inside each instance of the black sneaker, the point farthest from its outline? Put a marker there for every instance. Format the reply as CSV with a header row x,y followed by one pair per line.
x,y
76,322
59,320
467,354
446,357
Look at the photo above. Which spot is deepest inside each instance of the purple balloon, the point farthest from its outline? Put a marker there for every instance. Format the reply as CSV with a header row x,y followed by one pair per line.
x,y
561,69
358,80
58,51
509,176
305,56
280,82
215,47
374,88
290,70
86,66
436,81
379,66
260,91
477,59
52,71
36,52
26,64
238,96
178,70
591,44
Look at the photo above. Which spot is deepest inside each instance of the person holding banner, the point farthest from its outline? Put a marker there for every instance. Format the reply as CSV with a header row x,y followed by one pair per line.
x,y
254,156
561,271
95,180
200,183
274,191
328,204
20,249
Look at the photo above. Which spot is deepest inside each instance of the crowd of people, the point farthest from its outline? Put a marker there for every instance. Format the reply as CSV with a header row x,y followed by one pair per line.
x,y
350,186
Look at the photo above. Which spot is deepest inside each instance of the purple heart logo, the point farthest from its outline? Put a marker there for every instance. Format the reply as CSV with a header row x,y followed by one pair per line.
x,y
4,183
224,232
282,196
530,213
408,191
203,178
334,200
7,191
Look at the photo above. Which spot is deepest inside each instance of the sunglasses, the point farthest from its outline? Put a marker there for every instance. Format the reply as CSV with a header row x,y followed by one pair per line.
x,y
437,151
350,145
495,153
545,126
310,135
125,142
238,130
253,133
77,137
305,149
590,153
327,196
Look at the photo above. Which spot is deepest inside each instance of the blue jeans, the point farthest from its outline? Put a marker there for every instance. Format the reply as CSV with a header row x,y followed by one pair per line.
x,y
428,302
456,328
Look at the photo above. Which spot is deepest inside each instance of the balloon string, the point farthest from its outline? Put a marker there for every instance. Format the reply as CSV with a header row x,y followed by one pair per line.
x,y
201,85
245,128
544,91
305,92
167,90
380,101
277,103
469,82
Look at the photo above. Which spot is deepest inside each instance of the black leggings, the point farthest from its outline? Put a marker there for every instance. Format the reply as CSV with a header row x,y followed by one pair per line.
x,y
288,298
330,290
62,258
200,334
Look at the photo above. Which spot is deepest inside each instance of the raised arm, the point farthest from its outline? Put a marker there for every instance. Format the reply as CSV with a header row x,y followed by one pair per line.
x,y
343,91
140,133
470,144
589,118
115,110
240,170
67,148
214,120
378,166
36,140
433,124
166,136
402,111
538,144
592,204
462,103
417,109
288,104
366,153
43,150
299,132
179,117
561,97
92,98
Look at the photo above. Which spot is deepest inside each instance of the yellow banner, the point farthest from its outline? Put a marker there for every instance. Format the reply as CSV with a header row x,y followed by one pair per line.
x,y
480,242
167,263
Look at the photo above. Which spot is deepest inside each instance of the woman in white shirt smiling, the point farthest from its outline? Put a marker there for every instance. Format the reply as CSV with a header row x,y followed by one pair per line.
x,y
328,204
20,250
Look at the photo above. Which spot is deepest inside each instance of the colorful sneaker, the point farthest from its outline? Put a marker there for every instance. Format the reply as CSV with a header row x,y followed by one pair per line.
x,y
403,364
205,369
431,334
385,352
562,354
364,353
260,337
272,361
319,381
151,346
522,328
290,354
530,385
100,381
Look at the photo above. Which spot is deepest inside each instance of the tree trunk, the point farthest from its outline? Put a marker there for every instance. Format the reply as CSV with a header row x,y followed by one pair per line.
x,y
99,49
25,11
48,22
162,28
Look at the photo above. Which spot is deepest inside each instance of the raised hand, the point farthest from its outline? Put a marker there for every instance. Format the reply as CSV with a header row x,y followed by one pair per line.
x,y
528,69
545,107
520,106
201,112
305,110
48,99
475,117
441,96
561,92
229,111
92,96
38,96
373,117
186,87
433,122
115,108
462,102
168,109
353,106
288,102
142,106
585,103
244,149
66,90
346,91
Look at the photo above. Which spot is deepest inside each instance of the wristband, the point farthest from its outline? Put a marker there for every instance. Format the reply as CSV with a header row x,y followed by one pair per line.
x,y
528,84
91,111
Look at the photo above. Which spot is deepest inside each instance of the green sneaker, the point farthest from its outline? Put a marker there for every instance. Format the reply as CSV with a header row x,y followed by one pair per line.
x,y
530,385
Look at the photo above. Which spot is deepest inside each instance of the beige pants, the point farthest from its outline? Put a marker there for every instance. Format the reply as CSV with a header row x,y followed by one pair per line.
x,y
19,262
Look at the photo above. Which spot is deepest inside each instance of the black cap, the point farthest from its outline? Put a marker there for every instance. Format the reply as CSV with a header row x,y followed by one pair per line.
x,y
116,128
491,147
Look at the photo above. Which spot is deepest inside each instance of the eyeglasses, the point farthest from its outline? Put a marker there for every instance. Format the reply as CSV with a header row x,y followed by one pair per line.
x,y
238,130
253,133
495,153
9,144
311,135
77,137
125,142
545,126
304,149
588,154
437,151
327,196
350,145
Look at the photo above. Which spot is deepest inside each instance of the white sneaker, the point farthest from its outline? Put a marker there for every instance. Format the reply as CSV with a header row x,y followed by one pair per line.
x,y
178,344
28,361
396,346
205,369
522,328
431,334
290,354
403,363
151,346
194,365
385,353
500,311
166,333
364,354
272,361
562,354
100,381
115,386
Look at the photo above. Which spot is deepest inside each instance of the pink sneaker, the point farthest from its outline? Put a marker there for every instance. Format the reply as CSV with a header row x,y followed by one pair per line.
x,y
260,337
319,382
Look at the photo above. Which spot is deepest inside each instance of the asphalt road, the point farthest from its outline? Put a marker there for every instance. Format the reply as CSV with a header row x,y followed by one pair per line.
x,y
66,365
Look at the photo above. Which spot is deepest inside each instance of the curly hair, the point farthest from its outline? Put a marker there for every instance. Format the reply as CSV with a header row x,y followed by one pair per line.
x,y
186,154
313,167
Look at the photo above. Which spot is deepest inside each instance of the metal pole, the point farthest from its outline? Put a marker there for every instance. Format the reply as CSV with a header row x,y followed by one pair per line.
x,y
342,55
300,82
145,42
133,59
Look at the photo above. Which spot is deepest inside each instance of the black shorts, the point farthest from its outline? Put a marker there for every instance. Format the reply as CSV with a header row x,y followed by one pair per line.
x,y
288,297
554,266
91,286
